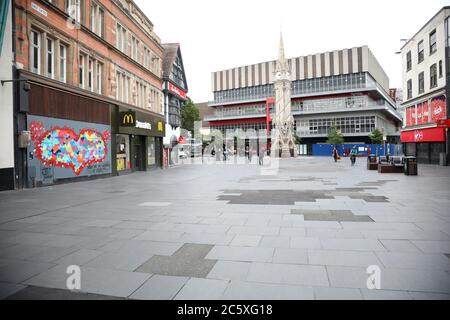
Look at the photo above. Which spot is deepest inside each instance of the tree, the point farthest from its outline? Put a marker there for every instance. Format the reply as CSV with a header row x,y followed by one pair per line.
x,y
376,136
297,139
189,114
334,136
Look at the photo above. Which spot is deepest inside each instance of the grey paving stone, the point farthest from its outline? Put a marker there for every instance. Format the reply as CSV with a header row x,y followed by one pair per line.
x,y
120,260
331,215
342,258
288,274
385,295
229,270
254,231
246,241
234,253
241,290
414,260
165,236
127,234
93,280
199,238
160,287
8,289
429,296
433,246
391,279
39,293
400,246
188,261
19,271
352,244
293,231
323,293
305,243
159,248
202,289
275,242
290,256
50,254
79,257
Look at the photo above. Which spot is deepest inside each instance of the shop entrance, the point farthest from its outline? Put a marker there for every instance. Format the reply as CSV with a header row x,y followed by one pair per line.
x,y
138,153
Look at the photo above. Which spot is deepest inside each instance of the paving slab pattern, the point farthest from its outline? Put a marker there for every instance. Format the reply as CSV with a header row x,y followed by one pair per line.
x,y
306,230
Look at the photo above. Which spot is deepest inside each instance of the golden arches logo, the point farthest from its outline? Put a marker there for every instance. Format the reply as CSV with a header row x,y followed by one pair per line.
x,y
160,126
128,118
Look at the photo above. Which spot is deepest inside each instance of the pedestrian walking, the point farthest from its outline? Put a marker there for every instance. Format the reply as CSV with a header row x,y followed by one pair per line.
x,y
353,155
261,157
335,154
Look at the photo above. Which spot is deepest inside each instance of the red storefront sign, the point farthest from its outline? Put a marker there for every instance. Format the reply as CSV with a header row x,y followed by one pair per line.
x,y
424,135
177,91
438,109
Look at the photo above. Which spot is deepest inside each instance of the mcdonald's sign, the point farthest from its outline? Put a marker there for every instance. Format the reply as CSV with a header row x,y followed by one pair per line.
x,y
128,119
160,126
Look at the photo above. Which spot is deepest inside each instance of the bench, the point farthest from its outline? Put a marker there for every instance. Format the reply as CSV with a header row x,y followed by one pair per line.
x,y
390,168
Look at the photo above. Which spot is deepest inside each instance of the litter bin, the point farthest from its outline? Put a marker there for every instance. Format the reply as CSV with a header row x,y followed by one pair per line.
x,y
372,162
410,166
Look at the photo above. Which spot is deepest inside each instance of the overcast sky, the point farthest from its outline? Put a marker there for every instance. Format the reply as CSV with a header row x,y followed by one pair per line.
x,y
222,34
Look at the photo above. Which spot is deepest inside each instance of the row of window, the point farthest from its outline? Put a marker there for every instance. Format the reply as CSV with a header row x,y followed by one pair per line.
x,y
138,50
49,57
347,125
75,9
298,87
53,63
242,126
421,51
362,124
421,80
313,105
135,91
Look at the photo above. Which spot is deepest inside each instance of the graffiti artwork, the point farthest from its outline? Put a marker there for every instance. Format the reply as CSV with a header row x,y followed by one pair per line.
x,y
62,147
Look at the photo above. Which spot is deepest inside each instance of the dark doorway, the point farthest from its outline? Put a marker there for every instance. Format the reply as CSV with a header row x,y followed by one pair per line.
x,y
138,153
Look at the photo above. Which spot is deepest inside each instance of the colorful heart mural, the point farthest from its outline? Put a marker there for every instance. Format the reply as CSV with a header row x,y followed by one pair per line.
x,y
62,147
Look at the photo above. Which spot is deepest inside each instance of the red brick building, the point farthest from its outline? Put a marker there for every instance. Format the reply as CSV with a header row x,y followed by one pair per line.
x,y
90,65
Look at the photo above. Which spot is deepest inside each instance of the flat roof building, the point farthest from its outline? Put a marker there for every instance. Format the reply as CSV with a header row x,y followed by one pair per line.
x,y
346,87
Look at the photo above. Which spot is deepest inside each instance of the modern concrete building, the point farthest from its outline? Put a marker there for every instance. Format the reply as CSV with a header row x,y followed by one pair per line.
x,y
95,104
426,80
346,87
6,94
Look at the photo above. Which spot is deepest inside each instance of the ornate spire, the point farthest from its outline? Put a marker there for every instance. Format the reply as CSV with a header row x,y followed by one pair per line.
x,y
281,63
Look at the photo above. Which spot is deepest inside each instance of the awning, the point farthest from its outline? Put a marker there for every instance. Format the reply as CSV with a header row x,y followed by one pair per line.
x,y
424,135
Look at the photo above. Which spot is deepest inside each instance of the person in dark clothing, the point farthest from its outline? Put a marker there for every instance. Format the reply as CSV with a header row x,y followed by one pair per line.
x,y
353,155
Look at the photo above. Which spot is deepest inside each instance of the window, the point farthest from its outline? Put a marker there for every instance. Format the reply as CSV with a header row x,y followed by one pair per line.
x,y
81,68
420,53
433,76
409,89
135,48
99,78
35,51
74,10
91,75
433,46
440,69
421,83
121,38
50,58
408,61
97,18
447,31
62,63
